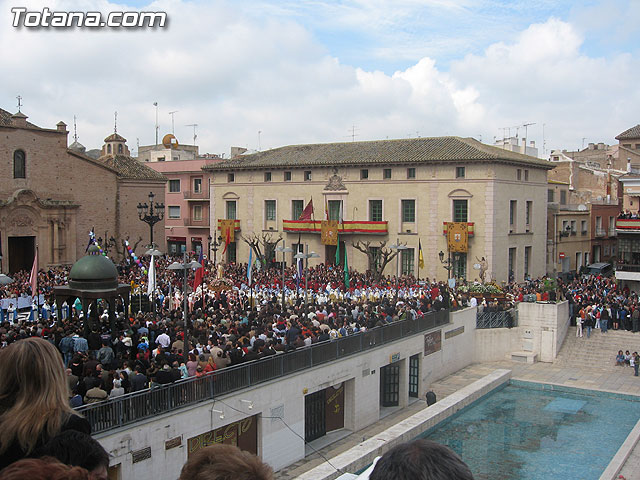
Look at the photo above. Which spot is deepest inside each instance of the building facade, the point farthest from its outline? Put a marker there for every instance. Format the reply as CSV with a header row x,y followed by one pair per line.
x,y
51,196
392,191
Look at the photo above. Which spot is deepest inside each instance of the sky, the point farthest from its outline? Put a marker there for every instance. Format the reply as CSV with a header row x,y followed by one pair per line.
x,y
261,74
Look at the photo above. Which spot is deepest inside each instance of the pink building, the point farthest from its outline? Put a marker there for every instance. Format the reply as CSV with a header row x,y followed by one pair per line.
x,y
187,223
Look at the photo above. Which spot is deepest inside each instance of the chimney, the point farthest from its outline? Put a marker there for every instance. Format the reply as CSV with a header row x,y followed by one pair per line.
x,y
532,143
592,146
237,151
19,119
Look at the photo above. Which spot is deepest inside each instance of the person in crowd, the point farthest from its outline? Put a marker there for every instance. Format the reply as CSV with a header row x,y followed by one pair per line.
x,y
46,468
33,411
225,462
78,449
421,460
620,359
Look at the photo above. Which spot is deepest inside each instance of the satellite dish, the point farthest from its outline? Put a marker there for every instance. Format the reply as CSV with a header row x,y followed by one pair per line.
x,y
582,208
170,141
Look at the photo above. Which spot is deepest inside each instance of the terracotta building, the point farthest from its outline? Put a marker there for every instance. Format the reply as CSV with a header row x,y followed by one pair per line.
x,y
52,195
392,191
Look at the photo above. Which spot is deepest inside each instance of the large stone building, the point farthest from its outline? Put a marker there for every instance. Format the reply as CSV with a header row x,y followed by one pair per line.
x,y
392,190
52,196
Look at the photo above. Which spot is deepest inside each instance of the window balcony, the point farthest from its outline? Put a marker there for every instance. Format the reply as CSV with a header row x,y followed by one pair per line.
x,y
196,223
315,226
627,225
600,232
196,196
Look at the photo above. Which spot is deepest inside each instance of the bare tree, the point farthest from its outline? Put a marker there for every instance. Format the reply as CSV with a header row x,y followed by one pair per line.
x,y
263,246
379,255
122,251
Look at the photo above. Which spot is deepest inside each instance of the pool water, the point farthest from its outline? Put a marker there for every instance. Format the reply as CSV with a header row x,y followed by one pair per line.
x,y
528,431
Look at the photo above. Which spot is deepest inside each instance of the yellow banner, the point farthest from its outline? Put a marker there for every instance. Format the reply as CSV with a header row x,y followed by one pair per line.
x,y
458,236
228,227
329,232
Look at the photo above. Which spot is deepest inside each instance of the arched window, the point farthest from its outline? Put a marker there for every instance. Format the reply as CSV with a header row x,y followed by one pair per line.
x,y
109,148
119,148
19,164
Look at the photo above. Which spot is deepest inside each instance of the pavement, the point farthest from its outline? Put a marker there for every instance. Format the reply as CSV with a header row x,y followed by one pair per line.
x,y
621,380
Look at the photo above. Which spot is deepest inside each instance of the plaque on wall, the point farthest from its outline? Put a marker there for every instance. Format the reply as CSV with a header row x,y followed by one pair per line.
x,y
432,342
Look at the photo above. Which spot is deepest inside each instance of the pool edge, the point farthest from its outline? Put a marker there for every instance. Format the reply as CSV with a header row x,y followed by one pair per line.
x,y
623,453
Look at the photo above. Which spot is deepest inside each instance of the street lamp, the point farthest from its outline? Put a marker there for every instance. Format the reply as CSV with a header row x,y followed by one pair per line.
x,y
151,214
284,251
184,266
398,248
446,263
306,257
217,242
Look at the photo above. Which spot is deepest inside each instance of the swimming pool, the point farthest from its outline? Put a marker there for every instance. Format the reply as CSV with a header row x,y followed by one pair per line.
x,y
533,431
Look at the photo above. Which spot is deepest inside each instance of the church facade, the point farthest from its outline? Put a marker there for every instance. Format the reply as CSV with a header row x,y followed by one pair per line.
x,y
52,195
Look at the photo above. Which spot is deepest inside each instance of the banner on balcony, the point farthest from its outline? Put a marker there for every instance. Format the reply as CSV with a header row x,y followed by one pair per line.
x,y
227,228
458,236
329,232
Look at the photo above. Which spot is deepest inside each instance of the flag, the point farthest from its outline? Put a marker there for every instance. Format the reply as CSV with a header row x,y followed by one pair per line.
x,y
250,266
91,240
33,279
326,209
298,269
199,272
151,285
346,269
307,212
420,256
227,240
338,249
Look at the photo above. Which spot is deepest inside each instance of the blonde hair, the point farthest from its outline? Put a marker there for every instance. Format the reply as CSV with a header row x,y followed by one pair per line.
x,y
34,396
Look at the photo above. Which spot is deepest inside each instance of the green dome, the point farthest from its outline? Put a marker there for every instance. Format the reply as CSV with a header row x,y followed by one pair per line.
x,y
93,271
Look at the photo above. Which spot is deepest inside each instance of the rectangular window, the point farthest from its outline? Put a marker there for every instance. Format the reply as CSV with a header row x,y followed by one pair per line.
x,y
267,176
335,210
287,176
364,174
526,175
460,265
197,212
174,212
231,177
573,227
460,172
386,173
297,206
231,253
161,159
528,211
527,261
174,186
519,174
231,210
408,211
411,172
513,212
375,210
563,197
374,259
550,195
197,185
307,175
406,260
512,264
460,212
583,227
270,210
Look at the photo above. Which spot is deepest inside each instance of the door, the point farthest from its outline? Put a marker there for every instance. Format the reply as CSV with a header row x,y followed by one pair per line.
x,y
21,253
314,418
390,386
414,375
330,254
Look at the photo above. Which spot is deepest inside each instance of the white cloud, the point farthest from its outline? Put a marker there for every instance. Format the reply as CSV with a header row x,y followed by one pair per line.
x,y
235,74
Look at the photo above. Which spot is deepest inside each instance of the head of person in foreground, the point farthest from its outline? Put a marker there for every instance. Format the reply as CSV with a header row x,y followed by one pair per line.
x,y
225,462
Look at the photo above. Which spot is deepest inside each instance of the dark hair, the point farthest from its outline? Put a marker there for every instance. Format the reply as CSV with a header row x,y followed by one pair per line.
x,y
218,462
421,460
76,449
45,468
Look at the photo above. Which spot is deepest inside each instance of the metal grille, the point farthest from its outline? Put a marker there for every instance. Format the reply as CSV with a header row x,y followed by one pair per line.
x,y
503,319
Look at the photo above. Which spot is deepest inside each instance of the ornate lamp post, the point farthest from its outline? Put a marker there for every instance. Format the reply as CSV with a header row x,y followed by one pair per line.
x,y
448,263
151,214
185,266
217,242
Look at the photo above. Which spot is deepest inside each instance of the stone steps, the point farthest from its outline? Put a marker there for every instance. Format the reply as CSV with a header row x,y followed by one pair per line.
x,y
598,351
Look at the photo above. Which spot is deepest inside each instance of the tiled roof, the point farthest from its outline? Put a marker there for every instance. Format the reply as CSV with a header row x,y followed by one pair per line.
x,y
114,137
130,168
633,132
5,120
380,152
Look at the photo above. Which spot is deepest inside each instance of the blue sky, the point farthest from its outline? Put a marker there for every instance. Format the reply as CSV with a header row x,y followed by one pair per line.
x,y
307,71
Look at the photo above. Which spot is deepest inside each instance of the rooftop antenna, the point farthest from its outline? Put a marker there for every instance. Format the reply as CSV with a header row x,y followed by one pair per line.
x,y
115,122
544,142
137,146
155,104
526,125
353,133
19,102
173,130
259,132
194,125
75,130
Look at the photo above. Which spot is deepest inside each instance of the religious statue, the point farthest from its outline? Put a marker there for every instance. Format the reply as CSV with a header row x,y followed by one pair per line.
x,y
219,271
483,268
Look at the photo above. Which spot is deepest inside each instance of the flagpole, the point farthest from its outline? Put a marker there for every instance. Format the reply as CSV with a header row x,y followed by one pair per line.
x,y
37,288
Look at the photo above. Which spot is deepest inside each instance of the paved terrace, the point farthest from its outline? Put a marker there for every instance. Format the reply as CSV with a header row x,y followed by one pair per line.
x,y
620,381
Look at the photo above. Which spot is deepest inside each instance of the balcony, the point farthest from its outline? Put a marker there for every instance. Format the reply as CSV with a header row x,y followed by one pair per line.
x,y
196,223
196,196
627,225
600,232
612,232
315,226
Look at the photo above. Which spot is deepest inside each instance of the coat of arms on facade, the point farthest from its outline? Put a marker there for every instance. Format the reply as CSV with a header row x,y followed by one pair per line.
x,y
335,181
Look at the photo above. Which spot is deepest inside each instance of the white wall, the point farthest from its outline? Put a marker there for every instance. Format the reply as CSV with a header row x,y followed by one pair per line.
x,y
278,445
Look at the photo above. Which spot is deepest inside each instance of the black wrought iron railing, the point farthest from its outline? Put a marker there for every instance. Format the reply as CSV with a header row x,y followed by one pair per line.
x,y
133,407
502,319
